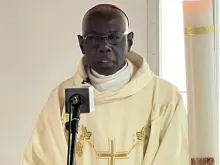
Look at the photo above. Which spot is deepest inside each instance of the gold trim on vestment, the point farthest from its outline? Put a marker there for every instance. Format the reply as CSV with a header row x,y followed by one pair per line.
x,y
199,30
111,154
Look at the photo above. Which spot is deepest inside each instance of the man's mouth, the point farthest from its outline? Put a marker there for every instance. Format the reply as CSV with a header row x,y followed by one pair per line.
x,y
105,61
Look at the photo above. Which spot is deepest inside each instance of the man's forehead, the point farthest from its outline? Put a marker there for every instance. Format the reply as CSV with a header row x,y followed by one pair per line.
x,y
108,6
105,25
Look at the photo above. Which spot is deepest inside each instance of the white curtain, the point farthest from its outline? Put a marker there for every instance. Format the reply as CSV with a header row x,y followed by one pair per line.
x,y
201,81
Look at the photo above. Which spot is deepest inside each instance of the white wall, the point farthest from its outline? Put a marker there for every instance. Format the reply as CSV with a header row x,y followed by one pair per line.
x,y
38,50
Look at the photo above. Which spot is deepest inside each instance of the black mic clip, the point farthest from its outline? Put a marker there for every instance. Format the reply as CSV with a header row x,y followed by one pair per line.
x,y
87,80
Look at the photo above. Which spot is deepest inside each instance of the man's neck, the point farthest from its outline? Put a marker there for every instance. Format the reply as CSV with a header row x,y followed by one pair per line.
x,y
111,82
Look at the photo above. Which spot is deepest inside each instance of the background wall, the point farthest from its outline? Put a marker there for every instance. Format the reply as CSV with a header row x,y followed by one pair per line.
x,y
38,50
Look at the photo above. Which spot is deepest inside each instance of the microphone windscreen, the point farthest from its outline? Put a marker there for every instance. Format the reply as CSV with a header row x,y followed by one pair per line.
x,y
84,94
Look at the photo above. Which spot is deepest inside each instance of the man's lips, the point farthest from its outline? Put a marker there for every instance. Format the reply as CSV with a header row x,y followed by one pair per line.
x,y
105,61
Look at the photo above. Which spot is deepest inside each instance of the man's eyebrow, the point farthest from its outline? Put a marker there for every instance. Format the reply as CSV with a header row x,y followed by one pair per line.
x,y
112,31
91,32
95,32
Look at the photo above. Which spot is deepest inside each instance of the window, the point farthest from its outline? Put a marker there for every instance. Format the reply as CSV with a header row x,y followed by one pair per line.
x,y
172,53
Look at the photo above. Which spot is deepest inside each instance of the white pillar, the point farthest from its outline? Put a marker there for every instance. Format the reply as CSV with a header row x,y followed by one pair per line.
x,y
200,62
216,6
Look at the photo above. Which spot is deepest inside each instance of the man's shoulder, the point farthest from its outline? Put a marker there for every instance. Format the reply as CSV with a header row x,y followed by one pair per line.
x,y
69,82
60,88
57,94
166,97
165,84
165,88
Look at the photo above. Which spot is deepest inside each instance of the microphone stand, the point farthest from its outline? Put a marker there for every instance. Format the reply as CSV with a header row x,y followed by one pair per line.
x,y
73,109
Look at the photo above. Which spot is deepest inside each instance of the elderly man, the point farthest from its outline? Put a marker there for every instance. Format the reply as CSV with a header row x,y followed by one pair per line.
x,y
139,119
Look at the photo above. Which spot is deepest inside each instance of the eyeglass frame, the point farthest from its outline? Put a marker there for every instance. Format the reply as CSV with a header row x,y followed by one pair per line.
x,y
105,37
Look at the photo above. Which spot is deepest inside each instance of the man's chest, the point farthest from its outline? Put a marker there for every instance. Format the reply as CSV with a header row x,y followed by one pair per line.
x,y
116,132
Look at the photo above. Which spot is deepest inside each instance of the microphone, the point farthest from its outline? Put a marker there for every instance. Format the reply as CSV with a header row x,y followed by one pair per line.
x,y
77,100
83,95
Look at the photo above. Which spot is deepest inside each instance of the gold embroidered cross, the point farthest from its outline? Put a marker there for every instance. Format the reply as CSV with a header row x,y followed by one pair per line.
x,y
111,155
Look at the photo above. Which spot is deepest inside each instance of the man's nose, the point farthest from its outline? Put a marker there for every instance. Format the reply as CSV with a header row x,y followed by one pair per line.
x,y
104,46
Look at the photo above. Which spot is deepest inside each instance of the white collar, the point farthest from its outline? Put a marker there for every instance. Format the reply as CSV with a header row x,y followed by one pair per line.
x,y
113,82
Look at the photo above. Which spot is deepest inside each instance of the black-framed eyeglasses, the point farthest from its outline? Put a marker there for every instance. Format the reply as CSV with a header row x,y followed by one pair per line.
x,y
112,38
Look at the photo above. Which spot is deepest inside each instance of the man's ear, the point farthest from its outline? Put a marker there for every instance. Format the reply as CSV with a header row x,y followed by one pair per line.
x,y
130,40
81,43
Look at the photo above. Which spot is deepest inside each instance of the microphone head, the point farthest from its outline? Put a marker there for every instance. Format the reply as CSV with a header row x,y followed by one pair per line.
x,y
83,96
76,99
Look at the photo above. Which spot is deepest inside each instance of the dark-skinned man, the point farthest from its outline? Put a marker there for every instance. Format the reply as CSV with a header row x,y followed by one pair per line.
x,y
139,119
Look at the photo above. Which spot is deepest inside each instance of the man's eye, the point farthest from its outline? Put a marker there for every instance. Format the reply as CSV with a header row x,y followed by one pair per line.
x,y
113,37
93,37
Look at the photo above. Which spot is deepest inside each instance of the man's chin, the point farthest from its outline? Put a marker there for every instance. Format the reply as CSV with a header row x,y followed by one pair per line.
x,y
106,70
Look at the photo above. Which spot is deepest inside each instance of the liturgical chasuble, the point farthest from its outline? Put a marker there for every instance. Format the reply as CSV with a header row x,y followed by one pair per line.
x,y
143,123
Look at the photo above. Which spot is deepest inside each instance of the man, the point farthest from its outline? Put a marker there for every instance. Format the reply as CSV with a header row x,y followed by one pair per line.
x,y
139,119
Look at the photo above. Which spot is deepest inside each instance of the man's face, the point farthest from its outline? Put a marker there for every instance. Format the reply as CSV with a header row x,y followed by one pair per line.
x,y
105,42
